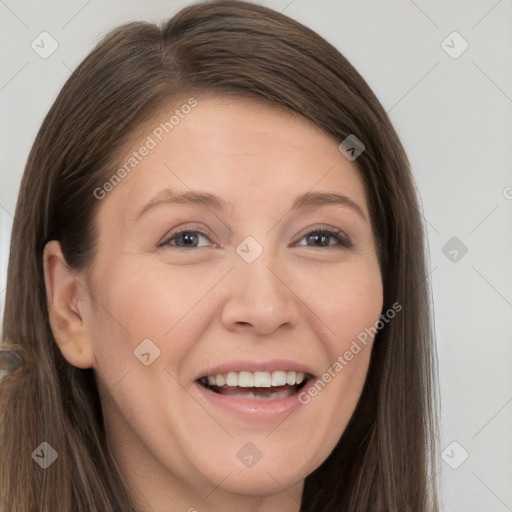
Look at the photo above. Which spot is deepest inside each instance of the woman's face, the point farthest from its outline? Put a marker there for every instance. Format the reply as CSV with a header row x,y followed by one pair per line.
x,y
232,275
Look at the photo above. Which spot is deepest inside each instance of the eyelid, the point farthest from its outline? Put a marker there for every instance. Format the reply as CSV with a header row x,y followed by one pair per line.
x,y
344,241
165,241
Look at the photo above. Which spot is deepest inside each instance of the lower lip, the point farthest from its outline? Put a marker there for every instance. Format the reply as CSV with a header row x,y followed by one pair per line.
x,y
253,409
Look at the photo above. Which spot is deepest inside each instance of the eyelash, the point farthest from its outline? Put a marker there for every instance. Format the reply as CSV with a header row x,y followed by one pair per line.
x,y
343,241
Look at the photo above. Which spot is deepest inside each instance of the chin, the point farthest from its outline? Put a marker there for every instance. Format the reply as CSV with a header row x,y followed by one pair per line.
x,y
269,475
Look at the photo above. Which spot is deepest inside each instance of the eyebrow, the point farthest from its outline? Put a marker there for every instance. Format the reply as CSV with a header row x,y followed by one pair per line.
x,y
307,201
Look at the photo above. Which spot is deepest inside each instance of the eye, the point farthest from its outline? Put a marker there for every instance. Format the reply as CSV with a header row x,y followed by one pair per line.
x,y
187,238
321,238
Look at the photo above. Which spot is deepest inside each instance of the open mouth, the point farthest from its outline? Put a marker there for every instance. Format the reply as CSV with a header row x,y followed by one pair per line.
x,y
277,385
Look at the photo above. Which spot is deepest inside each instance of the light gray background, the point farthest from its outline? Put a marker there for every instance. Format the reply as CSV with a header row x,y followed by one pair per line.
x,y
454,116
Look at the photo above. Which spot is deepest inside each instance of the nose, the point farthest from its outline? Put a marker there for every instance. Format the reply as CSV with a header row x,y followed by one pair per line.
x,y
260,299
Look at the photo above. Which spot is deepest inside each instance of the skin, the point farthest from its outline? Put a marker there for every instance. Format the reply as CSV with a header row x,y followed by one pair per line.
x,y
203,306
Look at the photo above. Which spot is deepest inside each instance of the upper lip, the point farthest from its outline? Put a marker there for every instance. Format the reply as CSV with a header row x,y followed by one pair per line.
x,y
256,366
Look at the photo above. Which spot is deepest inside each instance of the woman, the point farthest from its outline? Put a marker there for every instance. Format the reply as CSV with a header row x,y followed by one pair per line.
x,y
217,293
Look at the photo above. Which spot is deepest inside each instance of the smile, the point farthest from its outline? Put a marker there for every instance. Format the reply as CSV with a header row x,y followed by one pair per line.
x,y
259,385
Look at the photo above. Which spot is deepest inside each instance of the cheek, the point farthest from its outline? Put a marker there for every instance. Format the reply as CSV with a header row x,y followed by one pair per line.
x,y
159,296
348,306
348,302
157,303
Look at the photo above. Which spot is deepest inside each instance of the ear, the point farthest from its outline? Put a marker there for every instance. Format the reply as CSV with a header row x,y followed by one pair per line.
x,y
66,309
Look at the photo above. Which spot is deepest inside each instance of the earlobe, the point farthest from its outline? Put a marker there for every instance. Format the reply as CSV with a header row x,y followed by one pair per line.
x,y
63,293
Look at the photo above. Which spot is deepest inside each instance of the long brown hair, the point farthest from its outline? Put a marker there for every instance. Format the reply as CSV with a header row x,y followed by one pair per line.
x,y
386,458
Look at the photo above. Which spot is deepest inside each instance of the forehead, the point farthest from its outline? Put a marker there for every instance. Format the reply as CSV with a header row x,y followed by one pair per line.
x,y
238,148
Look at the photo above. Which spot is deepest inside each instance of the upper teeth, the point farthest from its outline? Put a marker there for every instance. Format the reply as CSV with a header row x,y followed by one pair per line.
x,y
256,379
